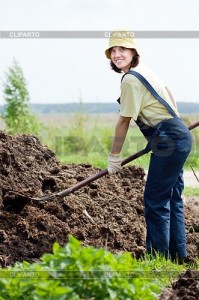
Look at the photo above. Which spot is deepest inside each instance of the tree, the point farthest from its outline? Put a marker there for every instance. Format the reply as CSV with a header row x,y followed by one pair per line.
x,y
17,115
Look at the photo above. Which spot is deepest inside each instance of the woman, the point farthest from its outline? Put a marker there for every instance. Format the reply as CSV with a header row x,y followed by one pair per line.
x,y
168,139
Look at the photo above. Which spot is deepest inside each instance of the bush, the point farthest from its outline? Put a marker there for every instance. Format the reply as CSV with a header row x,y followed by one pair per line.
x,y
17,115
76,272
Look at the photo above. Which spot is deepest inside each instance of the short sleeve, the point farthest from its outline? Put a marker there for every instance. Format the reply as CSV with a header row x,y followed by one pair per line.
x,y
130,98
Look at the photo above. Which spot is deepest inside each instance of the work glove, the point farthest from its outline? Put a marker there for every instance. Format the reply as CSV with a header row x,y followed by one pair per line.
x,y
114,163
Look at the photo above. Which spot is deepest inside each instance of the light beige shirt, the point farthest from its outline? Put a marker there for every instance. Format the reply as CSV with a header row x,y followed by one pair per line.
x,y
137,101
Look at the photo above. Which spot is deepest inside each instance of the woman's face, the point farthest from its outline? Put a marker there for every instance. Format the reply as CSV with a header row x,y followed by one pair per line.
x,y
122,57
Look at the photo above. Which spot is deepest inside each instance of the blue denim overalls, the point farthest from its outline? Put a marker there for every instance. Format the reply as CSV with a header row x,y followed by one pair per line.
x,y
170,142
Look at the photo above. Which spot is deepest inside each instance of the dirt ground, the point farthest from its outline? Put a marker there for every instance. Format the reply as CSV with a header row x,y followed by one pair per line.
x,y
108,213
185,288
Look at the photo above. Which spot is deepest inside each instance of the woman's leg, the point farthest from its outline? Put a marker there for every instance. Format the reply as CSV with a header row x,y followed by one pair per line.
x,y
163,174
177,247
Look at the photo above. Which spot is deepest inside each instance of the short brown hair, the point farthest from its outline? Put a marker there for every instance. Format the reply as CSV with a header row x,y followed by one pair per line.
x,y
134,63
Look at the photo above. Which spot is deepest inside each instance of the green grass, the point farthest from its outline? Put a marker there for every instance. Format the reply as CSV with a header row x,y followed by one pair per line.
x,y
76,272
89,140
189,191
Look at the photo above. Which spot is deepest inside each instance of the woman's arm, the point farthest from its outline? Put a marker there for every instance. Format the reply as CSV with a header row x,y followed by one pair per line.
x,y
121,130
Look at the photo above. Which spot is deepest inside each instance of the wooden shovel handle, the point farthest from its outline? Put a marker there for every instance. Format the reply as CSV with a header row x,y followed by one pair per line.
x,y
99,174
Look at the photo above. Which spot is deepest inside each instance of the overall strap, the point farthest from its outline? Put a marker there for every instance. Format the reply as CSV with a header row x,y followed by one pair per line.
x,y
152,90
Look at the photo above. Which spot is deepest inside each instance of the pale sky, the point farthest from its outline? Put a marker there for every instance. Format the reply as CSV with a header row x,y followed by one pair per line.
x,y
65,70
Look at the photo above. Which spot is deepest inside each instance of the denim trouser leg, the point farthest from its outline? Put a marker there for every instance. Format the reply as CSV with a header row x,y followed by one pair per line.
x,y
163,204
177,247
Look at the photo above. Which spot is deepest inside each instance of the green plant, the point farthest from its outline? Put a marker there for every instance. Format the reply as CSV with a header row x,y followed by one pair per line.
x,y
189,191
164,270
76,272
87,138
17,115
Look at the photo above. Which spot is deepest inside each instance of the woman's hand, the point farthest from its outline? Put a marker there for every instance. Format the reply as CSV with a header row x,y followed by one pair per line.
x,y
114,163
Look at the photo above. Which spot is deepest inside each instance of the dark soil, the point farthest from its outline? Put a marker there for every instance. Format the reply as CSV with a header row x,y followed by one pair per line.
x,y
106,213
185,288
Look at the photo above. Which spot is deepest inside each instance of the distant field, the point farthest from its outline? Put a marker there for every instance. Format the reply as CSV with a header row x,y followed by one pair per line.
x,y
79,138
96,107
108,119
87,138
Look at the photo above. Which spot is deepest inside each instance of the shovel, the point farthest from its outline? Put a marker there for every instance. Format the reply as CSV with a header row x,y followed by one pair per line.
x,y
102,173
19,203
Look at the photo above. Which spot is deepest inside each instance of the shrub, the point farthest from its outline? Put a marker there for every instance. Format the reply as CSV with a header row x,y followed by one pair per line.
x,y
17,115
76,272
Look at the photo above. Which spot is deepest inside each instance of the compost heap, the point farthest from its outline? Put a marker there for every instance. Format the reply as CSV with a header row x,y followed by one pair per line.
x,y
107,213
185,288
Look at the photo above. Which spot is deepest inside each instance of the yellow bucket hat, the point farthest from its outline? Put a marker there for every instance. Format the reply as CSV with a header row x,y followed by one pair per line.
x,y
121,39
